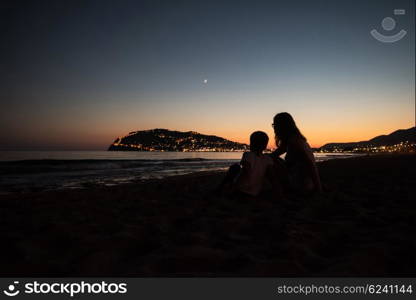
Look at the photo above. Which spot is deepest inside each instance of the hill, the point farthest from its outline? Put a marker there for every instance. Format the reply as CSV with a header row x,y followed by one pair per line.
x,y
394,139
168,140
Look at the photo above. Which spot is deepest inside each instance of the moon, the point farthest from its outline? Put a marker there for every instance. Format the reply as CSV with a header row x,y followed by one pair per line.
x,y
205,81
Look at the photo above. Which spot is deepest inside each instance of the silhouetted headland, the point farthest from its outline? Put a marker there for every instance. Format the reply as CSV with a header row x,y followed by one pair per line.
x,y
168,140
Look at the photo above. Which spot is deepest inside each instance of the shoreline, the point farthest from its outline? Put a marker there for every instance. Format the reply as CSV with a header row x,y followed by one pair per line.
x,y
362,225
28,176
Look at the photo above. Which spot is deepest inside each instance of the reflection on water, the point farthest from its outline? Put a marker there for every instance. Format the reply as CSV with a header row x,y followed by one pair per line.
x,y
113,155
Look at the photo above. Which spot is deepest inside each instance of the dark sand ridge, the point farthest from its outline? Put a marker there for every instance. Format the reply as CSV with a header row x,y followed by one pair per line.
x,y
362,225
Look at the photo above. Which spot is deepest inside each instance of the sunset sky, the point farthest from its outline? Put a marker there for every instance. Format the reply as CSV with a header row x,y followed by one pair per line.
x,y
78,74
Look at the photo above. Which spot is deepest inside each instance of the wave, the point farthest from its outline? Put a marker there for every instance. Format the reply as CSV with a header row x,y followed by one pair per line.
x,y
50,174
34,166
52,165
60,161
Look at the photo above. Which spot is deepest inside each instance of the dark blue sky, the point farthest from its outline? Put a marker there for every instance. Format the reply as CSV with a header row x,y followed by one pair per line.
x,y
76,74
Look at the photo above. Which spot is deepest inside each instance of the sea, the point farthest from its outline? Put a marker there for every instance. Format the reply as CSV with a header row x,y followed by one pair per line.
x,y
28,171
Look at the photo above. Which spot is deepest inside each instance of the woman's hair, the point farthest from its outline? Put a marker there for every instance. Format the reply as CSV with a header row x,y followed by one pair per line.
x,y
285,128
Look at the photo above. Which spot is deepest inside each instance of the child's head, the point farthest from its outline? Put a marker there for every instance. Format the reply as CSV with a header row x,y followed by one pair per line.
x,y
258,141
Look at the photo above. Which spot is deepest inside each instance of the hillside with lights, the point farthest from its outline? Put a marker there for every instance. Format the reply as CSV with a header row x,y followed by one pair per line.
x,y
403,140
168,140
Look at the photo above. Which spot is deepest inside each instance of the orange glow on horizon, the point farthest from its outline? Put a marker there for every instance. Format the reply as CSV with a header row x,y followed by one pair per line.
x,y
321,137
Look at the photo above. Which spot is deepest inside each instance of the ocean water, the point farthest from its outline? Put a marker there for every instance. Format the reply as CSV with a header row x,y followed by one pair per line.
x,y
24,171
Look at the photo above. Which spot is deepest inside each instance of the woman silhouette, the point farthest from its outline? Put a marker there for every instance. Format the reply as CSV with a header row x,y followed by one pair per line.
x,y
299,163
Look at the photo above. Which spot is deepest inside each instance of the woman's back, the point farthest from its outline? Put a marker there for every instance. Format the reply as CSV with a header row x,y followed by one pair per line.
x,y
299,158
298,151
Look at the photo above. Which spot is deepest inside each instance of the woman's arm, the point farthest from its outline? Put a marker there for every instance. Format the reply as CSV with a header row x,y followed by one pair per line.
x,y
281,149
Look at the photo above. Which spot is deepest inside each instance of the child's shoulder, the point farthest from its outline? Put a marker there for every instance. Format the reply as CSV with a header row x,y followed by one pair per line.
x,y
247,154
254,156
268,158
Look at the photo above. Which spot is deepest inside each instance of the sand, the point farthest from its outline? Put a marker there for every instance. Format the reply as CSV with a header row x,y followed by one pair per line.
x,y
362,225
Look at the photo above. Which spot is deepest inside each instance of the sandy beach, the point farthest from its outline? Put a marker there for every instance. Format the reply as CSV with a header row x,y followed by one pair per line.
x,y
362,225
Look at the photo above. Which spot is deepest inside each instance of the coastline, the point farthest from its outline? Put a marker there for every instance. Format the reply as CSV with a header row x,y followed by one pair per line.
x,y
362,225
